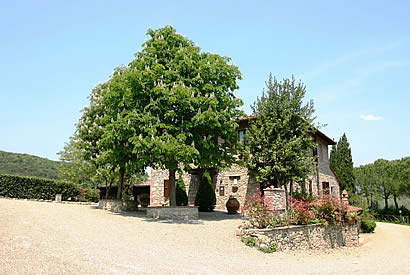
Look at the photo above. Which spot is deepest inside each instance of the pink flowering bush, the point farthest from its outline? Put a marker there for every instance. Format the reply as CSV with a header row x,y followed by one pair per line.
x,y
330,210
256,209
303,211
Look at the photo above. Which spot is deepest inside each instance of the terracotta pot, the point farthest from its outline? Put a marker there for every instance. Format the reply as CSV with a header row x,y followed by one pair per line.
x,y
350,220
232,205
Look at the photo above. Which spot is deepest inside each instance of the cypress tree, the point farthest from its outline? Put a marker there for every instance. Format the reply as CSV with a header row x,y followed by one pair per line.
x,y
342,163
180,193
205,197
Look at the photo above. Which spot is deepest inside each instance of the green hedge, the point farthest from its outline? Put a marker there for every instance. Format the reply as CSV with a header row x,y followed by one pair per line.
x,y
37,188
368,226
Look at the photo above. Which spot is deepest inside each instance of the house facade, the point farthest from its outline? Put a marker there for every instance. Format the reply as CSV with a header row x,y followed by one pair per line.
x,y
237,182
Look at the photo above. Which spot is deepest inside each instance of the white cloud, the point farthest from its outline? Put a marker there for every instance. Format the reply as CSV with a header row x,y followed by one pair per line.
x,y
371,117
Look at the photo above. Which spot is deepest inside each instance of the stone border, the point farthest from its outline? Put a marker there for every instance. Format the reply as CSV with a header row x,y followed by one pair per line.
x,y
303,237
173,213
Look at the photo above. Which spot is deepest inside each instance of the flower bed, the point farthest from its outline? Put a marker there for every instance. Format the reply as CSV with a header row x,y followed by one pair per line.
x,y
311,223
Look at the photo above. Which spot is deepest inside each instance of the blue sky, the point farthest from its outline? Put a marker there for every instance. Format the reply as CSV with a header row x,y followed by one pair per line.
x,y
353,57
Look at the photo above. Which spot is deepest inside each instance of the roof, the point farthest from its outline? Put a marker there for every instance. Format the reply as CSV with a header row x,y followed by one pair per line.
x,y
319,133
140,183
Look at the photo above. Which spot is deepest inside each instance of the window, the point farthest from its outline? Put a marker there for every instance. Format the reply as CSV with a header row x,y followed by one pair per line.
x,y
241,134
310,187
332,191
222,190
325,187
166,188
234,189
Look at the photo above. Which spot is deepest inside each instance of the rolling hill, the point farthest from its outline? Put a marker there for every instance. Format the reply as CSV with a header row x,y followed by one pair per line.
x,y
28,165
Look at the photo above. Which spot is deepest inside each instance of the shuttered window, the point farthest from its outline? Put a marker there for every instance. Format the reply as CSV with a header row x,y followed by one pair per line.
x,y
166,188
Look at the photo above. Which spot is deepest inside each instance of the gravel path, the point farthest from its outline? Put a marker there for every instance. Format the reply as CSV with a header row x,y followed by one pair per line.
x,y
51,238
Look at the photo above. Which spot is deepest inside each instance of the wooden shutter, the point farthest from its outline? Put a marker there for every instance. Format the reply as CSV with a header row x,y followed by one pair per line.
x,y
166,188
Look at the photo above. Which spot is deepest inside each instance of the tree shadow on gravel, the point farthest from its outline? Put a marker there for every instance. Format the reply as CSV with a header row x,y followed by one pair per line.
x,y
217,215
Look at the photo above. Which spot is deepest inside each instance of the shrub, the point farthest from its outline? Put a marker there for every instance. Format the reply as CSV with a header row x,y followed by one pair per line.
x,y
330,210
36,188
46,189
259,215
180,193
303,211
205,197
249,241
93,195
268,249
367,225
303,196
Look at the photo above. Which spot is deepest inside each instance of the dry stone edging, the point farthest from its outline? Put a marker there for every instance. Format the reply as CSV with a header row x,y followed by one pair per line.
x,y
304,237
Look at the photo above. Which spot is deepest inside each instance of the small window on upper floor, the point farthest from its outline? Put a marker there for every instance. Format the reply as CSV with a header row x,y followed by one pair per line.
x,y
241,135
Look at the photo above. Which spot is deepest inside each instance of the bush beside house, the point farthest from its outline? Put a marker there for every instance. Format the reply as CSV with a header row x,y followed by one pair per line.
x,y
180,193
205,197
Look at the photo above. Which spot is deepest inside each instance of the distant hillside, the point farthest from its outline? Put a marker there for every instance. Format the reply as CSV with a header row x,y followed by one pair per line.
x,y
28,165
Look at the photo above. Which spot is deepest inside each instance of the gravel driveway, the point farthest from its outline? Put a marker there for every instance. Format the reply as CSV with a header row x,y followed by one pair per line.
x,y
51,238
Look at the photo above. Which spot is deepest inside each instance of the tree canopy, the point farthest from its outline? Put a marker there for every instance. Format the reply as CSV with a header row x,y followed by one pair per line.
x,y
279,138
170,108
383,179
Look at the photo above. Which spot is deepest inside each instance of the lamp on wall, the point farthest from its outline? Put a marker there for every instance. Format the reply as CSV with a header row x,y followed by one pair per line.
x,y
235,181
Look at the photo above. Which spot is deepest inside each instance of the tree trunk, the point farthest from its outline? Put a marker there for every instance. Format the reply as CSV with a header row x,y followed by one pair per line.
x,y
395,201
386,203
213,173
286,196
291,193
318,182
172,195
106,188
120,182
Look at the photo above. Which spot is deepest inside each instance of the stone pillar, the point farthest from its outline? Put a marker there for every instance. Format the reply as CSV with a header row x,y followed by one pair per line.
x,y
275,198
58,198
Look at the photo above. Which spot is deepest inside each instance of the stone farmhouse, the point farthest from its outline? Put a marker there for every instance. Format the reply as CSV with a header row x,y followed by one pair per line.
x,y
237,182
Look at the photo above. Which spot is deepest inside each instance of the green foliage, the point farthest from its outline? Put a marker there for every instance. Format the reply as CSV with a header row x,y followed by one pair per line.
x,y
88,194
36,188
279,137
368,225
342,163
205,197
249,241
188,103
180,192
166,109
28,166
383,179
269,249
74,168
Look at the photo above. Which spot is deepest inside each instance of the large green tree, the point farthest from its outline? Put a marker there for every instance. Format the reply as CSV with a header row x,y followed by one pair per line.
x,y
74,168
342,163
280,136
188,104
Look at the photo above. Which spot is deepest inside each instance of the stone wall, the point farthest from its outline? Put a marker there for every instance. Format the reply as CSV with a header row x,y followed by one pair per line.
x,y
303,237
157,187
235,182
173,213
112,205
